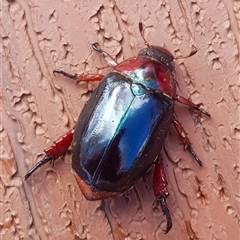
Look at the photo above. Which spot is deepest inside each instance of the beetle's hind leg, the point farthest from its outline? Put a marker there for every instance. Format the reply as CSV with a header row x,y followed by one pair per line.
x,y
185,140
160,190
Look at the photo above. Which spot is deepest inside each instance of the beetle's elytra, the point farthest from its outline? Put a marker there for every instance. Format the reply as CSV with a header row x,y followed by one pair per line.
x,y
121,130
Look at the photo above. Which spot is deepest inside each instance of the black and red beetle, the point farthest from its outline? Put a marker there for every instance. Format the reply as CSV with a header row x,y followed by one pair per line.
x,y
121,129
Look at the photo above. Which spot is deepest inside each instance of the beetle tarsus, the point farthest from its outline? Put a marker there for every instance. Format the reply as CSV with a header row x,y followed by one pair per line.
x,y
160,189
202,110
189,148
74,77
183,136
47,158
162,201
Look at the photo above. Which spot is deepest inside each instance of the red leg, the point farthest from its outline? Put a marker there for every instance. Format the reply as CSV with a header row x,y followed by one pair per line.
x,y
191,104
81,77
90,77
185,140
58,149
160,190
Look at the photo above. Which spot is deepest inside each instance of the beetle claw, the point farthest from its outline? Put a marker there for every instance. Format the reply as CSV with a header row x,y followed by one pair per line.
x,y
162,201
197,107
47,158
189,148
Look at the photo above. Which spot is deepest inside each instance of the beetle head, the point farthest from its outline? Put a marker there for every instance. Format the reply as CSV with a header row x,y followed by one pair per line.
x,y
159,54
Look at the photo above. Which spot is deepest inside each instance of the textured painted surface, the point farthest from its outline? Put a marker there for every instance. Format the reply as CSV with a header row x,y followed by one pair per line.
x,y
38,107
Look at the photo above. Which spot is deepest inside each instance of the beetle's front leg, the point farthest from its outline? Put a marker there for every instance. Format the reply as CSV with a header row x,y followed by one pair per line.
x,y
90,77
191,104
80,77
160,190
58,149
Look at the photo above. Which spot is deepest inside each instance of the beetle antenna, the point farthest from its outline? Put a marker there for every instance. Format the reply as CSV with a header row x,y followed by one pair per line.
x,y
47,158
141,30
106,56
193,52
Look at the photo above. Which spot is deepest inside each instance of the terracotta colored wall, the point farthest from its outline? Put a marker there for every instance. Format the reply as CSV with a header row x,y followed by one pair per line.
x,y
38,107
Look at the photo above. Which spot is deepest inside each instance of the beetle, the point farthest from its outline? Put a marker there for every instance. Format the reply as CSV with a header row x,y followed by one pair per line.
x,y
121,130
